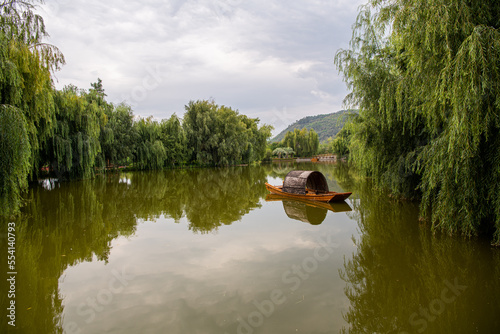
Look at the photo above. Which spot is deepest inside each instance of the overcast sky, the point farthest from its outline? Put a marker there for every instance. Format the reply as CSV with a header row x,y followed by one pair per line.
x,y
271,59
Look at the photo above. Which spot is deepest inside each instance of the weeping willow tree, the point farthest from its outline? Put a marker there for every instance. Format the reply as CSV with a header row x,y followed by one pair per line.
x,y
117,135
174,141
426,76
303,142
15,151
74,148
220,136
150,154
26,100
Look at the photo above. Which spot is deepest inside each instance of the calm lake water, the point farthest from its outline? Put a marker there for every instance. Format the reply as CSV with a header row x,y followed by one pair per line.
x,y
202,251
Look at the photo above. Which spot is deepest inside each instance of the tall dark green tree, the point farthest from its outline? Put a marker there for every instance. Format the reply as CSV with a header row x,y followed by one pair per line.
x,y
258,136
150,153
304,142
74,148
26,95
198,123
426,77
174,140
220,136
15,152
118,136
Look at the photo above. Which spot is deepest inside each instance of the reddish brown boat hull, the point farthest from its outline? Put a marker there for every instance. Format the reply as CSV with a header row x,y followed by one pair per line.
x,y
330,196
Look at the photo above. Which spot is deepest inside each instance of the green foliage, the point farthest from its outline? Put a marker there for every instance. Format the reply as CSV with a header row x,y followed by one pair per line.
x,y
149,151
118,136
340,144
26,92
198,125
159,144
279,152
174,140
268,155
15,152
304,143
73,149
26,85
220,136
257,139
20,24
326,126
326,146
399,268
426,77
283,151
288,151
25,78
73,132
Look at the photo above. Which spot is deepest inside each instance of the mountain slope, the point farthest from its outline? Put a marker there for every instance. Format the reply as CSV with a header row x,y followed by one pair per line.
x,y
327,125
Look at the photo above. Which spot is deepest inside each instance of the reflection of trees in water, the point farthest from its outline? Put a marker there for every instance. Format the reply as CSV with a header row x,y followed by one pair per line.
x,y
222,196
280,169
59,228
208,198
396,278
397,269
77,221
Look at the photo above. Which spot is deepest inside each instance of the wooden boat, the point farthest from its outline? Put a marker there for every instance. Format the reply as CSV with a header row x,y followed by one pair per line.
x,y
307,185
330,196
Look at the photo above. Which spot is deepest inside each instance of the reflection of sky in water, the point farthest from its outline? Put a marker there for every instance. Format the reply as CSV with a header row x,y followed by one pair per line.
x,y
126,180
202,283
202,251
49,184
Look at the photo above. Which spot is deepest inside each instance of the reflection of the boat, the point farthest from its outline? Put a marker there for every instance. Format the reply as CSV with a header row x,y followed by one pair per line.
x,y
335,207
308,211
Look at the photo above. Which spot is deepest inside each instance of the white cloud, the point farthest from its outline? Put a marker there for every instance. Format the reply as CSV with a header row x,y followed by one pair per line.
x,y
256,56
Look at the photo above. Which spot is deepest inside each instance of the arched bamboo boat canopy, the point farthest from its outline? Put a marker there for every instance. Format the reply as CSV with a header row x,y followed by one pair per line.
x,y
299,181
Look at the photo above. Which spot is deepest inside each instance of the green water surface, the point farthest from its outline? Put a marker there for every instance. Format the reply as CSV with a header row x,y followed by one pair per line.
x,y
202,251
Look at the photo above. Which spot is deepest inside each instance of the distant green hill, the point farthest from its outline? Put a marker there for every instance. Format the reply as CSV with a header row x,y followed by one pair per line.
x,y
326,125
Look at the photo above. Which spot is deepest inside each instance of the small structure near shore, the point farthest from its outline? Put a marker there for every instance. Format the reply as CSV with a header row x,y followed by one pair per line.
x,y
319,158
326,157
